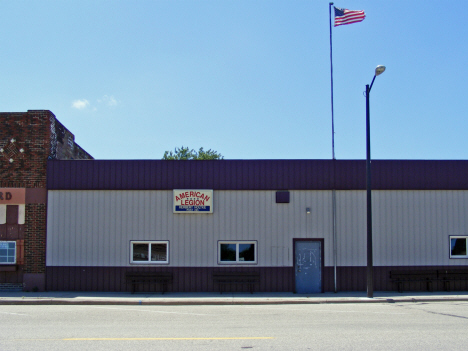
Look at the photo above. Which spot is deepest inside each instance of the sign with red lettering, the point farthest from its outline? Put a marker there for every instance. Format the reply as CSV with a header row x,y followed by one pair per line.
x,y
12,196
193,201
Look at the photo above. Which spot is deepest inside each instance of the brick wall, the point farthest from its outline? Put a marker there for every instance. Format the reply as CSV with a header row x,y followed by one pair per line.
x,y
65,146
27,140
35,238
24,148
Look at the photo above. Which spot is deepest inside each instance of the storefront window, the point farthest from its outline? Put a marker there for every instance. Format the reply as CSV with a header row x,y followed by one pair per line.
x,y
458,246
237,252
147,252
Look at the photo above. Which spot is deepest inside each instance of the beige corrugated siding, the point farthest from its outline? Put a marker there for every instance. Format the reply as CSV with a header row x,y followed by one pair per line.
x,y
94,228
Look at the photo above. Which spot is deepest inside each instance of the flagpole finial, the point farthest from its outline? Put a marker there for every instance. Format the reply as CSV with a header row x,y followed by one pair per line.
x,y
331,3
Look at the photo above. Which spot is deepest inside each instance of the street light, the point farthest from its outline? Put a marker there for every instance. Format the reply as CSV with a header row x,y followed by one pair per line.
x,y
370,268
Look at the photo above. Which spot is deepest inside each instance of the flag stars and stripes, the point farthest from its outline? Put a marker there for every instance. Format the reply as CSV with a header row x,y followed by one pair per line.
x,y
344,16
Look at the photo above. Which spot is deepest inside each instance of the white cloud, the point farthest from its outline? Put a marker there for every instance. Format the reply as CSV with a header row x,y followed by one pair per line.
x,y
80,104
106,100
109,100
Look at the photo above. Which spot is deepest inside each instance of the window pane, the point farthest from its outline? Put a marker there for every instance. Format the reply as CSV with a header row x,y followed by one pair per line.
x,y
159,252
458,246
228,252
140,252
7,252
247,252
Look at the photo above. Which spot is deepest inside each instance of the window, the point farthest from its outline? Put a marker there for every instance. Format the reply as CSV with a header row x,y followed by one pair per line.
x,y
458,246
237,252
149,252
7,252
12,214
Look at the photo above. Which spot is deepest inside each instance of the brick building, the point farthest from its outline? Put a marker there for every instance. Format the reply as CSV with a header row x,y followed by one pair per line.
x,y
27,141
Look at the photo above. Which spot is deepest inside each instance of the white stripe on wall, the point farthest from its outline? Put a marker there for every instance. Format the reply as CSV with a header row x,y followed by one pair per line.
x,y
3,214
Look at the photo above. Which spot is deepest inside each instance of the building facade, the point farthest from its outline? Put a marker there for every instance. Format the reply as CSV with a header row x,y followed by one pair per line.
x,y
299,224
27,141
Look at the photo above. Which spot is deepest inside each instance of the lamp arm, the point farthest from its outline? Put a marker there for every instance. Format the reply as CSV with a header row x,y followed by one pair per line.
x,y
372,83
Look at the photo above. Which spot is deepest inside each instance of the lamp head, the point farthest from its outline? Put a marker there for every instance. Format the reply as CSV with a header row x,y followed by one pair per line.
x,y
379,70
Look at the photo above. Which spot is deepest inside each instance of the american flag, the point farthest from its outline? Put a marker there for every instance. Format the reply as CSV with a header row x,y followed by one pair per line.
x,y
344,16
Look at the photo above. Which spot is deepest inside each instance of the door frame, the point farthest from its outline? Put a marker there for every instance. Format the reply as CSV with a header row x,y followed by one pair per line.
x,y
322,259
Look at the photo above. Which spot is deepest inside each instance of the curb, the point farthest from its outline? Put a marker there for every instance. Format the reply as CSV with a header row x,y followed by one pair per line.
x,y
212,302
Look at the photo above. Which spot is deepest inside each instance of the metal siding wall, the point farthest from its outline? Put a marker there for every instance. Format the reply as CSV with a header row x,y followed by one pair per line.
x,y
51,244
255,174
94,228
317,224
412,228
186,279
351,228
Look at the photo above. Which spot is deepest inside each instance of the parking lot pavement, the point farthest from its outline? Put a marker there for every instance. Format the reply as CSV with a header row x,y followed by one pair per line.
x,y
116,298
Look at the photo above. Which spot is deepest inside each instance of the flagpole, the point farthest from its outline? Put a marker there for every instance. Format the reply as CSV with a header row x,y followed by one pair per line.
x,y
333,154
341,17
331,74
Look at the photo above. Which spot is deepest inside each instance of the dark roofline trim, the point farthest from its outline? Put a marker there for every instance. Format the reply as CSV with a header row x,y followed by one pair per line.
x,y
256,175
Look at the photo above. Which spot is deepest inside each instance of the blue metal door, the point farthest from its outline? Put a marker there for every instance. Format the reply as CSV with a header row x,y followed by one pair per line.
x,y
308,266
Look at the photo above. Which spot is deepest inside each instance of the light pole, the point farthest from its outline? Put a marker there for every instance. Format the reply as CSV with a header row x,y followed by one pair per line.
x,y
370,265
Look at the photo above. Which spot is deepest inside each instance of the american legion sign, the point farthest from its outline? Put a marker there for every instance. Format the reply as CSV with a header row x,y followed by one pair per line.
x,y
193,201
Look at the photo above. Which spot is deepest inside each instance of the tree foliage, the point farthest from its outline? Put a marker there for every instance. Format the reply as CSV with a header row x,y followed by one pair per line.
x,y
184,153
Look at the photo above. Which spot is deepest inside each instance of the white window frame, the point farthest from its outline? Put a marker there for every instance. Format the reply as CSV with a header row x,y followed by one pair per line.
x,y
5,243
450,245
149,242
237,243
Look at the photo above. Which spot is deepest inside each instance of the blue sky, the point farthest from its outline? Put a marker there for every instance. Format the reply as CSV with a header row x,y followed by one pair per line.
x,y
248,78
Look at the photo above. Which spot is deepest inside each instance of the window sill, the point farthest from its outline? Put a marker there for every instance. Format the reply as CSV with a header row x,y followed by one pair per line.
x,y
148,263
8,267
233,263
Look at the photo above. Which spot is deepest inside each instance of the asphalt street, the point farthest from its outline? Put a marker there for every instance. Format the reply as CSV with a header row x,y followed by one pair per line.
x,y
345,326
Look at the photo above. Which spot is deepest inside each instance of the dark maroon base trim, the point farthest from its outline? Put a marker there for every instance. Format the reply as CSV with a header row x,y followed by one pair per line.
x,y
199,279
34,282
355,279
185,279
11,274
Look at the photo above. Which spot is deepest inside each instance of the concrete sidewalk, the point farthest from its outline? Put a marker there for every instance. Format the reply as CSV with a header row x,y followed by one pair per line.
x,y
111,298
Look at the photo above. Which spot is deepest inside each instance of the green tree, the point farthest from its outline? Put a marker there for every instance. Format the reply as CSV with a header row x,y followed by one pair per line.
x,y
184,153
